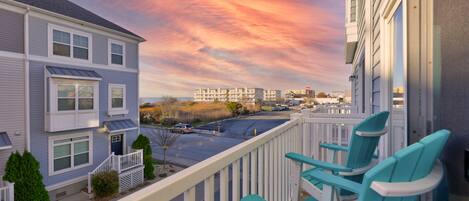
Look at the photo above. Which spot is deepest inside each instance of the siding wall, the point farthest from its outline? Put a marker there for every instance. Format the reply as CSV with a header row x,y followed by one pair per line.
x,y
11,31
376,57
39,44
100,140
12,116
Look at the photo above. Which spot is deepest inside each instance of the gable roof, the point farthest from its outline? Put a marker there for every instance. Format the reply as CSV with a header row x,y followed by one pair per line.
x,y
70,9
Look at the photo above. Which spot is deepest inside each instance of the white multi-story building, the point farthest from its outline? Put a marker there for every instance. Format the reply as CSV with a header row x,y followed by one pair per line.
x,y
228,94
272,94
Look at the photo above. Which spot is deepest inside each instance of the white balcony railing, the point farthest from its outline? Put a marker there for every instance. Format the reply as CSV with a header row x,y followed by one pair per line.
x,y
256,166
7,191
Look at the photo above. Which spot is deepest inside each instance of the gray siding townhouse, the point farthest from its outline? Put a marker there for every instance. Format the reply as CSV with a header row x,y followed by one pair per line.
x,y
69,89
410,57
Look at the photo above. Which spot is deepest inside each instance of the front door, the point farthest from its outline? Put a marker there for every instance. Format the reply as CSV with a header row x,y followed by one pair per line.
x,y
117,145
398,83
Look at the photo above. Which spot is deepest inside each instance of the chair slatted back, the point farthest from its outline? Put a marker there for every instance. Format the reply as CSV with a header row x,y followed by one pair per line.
x,y
409,164
361,149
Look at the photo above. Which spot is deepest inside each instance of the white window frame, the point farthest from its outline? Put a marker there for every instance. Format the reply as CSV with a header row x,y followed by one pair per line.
x,y
117,111
52,27
51,140
110,42
54,96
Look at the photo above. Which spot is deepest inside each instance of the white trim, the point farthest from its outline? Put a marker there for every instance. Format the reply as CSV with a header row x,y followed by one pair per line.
x,y
66,183
372,134
26,78
79,64
6,147
117,111
55,17
73,135
122,130
109,52
12,55
75,77
72,32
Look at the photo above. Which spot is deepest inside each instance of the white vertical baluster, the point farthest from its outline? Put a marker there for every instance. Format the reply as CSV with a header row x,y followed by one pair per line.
x,y
267,171
189,195
260,181
208,188
245,171
339,141
254,171
224,184
271,170
276,165
235,180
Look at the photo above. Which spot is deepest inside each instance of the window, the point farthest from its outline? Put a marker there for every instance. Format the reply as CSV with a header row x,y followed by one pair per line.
x,y
116,53
69,152
117,99
353,10
69,43
69,94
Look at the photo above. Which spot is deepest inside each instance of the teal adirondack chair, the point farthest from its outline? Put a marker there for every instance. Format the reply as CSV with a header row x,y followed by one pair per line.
x,y
410,172
359,159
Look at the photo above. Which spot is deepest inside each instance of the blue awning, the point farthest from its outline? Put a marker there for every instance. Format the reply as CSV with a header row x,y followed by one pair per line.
x,y
73,73
114,126
5,142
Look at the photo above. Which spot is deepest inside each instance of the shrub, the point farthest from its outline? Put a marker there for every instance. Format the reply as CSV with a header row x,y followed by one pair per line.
x,y
24,172
142,142
105,184
148,171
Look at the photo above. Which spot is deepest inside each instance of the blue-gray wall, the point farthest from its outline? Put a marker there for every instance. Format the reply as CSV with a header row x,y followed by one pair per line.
x,y
452,78
11,31
38,43
39,138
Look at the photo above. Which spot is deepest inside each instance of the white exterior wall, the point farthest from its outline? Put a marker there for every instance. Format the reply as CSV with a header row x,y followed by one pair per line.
x,y
272,95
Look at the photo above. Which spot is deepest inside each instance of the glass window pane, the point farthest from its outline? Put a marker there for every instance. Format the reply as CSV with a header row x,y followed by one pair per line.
x,y
116,59
85,91
80,41
117,92
66,104
62,150
62,163
398,68
80,53
62,37
81,159
117,103
80,147
85,103
61,50
66,91
117,49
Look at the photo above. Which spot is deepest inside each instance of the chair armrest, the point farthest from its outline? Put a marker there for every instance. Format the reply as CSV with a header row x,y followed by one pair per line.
x,y
372,134
417,187
334,147
336,181
316,163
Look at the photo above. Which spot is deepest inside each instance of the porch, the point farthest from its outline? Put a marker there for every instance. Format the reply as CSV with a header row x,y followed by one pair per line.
x,y
128,166
258,166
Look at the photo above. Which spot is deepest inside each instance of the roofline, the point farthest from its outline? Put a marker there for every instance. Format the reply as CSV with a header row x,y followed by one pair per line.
x,y
53,14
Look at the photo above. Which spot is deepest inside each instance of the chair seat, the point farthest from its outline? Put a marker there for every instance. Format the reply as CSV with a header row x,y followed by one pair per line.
x,y
310,199
252,198
307,175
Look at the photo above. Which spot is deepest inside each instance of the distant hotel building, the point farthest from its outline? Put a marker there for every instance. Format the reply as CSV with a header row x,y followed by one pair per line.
x,y
272,94
228,94
300,93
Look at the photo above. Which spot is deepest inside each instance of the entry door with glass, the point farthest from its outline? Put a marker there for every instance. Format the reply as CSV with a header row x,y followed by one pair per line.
x,y
398,82
117,145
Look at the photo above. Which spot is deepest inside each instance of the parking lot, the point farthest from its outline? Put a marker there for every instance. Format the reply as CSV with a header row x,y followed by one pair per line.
x,y
200,145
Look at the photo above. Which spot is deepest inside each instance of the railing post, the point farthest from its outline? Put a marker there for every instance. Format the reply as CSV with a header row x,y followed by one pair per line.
x,y
118,164
11,191
89,183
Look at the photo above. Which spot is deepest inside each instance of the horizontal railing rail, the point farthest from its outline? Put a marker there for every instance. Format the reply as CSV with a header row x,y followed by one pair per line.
x,y
131,160
7,191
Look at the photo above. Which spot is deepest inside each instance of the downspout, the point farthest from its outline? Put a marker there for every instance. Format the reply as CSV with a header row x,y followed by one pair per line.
x,y
26,77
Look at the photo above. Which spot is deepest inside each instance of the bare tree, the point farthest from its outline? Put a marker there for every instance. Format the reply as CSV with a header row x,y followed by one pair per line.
x,y
165,139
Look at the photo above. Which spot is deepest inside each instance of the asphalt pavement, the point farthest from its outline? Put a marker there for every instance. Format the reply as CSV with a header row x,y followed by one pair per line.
x,y
195,147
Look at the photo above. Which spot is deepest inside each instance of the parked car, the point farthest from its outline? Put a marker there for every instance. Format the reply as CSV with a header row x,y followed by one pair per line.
x,y
182,128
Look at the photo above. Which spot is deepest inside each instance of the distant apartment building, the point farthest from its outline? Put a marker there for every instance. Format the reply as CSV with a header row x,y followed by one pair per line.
x,y
300,93
272,94
228,94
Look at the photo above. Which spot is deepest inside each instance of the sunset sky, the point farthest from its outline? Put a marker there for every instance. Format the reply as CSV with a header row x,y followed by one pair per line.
x,y
270,44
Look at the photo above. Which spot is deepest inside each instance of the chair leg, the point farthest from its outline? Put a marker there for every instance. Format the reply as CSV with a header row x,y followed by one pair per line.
x,y
295,180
